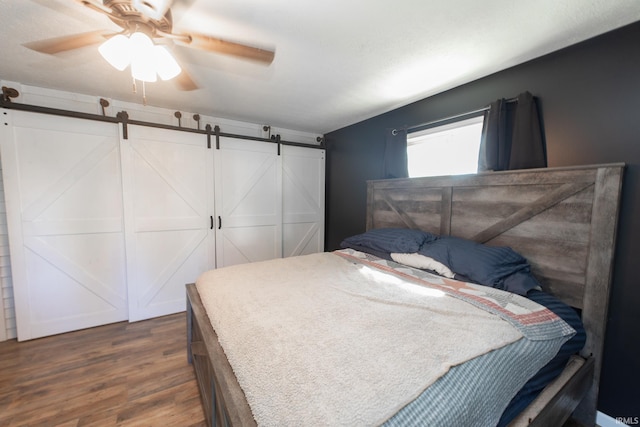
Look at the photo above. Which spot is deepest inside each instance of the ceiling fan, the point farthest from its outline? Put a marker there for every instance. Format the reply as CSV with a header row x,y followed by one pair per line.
x,y
153,19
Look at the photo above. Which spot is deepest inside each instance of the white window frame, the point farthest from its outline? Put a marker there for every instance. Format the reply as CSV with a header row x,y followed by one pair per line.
x,y
449,154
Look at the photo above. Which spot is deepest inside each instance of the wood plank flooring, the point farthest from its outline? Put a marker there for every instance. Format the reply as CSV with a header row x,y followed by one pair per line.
x,y
123,374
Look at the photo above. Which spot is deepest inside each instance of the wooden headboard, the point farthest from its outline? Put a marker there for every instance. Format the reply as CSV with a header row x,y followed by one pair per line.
x,y
563,220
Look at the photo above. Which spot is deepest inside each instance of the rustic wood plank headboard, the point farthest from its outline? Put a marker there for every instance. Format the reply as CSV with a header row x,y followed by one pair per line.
x,y
563,220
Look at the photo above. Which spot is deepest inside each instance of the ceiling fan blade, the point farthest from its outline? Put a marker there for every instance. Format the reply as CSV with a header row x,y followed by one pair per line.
x,y
213,44
185,82
65,43
63,7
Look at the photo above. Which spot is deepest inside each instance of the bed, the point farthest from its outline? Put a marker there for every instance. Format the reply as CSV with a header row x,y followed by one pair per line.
x,y
562,220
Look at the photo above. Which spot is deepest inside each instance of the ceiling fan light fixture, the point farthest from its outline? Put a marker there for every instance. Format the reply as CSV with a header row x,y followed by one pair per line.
x,y
116,51
166,65
146,59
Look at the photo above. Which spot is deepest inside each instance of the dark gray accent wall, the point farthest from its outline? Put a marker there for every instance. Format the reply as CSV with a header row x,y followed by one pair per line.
x,y
589,96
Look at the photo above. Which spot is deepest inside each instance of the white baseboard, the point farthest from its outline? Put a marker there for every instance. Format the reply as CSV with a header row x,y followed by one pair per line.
x,y
604,420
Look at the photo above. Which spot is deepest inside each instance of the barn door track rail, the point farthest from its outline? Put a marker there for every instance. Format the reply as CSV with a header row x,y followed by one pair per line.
x,y
122,117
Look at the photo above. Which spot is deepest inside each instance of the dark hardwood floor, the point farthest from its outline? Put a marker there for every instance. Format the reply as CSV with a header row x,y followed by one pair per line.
x,y
123,374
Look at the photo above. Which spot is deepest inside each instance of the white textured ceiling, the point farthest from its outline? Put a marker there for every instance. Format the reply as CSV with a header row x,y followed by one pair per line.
x,y
337,62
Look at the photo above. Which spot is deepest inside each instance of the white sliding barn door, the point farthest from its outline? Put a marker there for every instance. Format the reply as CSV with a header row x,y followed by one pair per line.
x,y
168,181
303,200
248,193
64,209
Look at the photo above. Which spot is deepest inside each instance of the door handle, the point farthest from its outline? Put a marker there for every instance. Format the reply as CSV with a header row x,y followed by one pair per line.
x,y
211,218
219,222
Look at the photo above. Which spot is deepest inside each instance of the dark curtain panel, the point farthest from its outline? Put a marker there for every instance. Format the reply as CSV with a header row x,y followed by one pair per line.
x,y
512,136
395,154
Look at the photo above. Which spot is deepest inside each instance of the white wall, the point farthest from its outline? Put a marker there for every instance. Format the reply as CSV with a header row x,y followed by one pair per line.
x,y
91,104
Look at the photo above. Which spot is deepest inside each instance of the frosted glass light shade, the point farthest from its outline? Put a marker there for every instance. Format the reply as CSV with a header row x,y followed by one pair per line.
x,y
116,51
166,66
143,64
143,69
139,43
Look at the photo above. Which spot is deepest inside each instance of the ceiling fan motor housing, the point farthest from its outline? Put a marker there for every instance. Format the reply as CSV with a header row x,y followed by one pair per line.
x,y
126,15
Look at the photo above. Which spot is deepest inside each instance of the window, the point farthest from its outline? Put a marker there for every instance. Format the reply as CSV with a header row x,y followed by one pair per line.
x,y
450,149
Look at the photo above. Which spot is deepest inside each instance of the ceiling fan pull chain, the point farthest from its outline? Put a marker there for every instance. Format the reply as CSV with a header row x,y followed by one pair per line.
x,y
144,94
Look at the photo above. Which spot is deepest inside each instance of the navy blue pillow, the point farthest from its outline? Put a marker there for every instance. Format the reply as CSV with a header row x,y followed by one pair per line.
x,y
520,282
390,240
496,266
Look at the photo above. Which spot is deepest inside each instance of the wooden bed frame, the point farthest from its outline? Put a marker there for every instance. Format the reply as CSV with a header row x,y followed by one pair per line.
x,y
563,220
